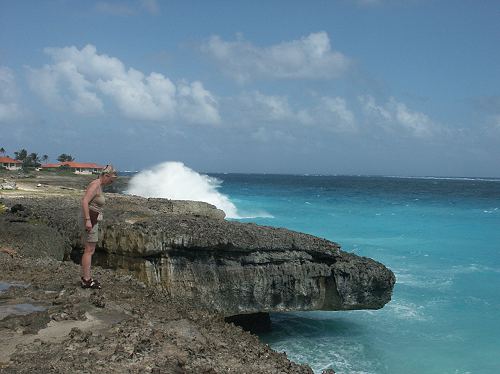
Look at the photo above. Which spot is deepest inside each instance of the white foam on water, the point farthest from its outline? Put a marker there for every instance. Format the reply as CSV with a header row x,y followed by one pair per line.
x,y
490,211
258,214
406,310
320,353
435,281
176,181
438,279
474,268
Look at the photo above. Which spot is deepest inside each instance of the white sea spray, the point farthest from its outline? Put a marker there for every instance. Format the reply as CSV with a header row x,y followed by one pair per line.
x,y
174,180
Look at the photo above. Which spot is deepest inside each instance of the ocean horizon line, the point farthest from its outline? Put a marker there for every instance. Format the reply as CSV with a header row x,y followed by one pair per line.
x,y
479,178
430,177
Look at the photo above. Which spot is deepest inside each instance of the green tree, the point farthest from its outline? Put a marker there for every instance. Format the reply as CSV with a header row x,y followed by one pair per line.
x,y
2,151
33,160
21,155
64,158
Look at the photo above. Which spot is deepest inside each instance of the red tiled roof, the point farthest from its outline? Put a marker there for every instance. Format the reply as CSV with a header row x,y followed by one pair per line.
x,y
74,165
8,160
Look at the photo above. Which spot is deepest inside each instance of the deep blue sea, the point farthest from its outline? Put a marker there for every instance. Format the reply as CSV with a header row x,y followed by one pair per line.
x,y
441,237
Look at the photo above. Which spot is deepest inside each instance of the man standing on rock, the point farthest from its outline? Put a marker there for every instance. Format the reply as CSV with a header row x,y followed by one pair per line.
x,y
92,212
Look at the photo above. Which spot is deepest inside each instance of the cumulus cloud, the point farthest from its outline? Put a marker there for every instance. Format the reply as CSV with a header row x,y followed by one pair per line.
x,y
63,86
81,79
268,108
310,57
394,116
141,97
9,106
197,104
331,113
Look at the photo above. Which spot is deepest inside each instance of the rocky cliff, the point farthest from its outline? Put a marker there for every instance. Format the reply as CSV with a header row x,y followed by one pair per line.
x,y
231,267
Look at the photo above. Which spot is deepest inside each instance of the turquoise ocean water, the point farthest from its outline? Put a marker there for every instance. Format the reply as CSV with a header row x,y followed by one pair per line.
x,y
441,237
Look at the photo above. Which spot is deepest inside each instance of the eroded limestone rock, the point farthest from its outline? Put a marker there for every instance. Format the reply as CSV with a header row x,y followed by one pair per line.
x,y
232,267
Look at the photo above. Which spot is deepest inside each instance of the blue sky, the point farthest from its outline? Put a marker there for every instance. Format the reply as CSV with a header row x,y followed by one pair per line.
x,y
382,87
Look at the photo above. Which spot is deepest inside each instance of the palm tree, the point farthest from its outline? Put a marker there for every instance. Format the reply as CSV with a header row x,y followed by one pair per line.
x,y
33,159
21,155
64,157
2,151
45,158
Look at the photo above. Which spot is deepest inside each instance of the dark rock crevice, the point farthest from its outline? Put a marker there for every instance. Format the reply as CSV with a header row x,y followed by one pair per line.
x,y
254,323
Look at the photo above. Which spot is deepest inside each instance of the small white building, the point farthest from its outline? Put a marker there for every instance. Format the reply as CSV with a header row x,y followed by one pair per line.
x,y
10,164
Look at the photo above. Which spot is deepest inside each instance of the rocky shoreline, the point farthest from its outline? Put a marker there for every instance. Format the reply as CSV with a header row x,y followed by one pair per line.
x,y
194,268
125,327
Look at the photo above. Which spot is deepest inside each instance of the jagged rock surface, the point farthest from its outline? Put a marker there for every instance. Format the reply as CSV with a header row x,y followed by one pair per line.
x,y
232,267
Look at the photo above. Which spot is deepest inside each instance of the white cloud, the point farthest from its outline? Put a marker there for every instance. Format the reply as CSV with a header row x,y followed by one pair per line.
x,y
82,79
197,104
329,113
374,110
89,63
9,106
266,108
310,57
334,112
141,97
394,116
49,81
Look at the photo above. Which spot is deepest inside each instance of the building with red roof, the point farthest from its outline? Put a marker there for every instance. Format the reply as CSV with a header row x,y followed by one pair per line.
x,y
76,167
10,164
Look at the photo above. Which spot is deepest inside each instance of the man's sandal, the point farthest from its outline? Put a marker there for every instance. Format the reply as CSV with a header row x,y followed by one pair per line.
x,y
91,283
